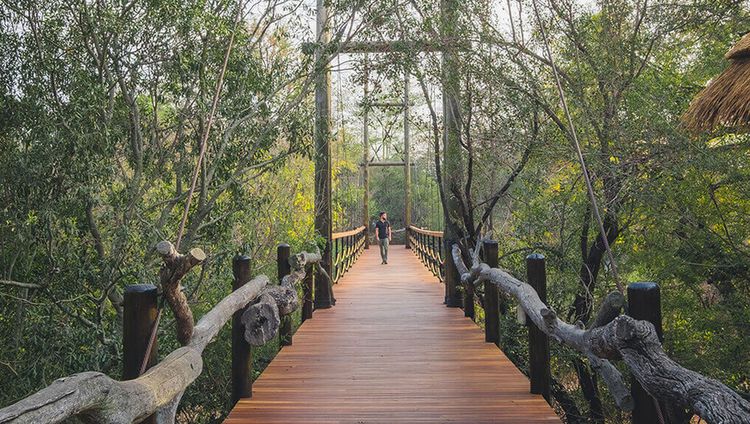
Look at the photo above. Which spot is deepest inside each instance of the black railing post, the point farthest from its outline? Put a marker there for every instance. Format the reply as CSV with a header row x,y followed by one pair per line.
x,y
491,296
539,361
644,303
336,260
422,247
440,261
242,355
283,269
139,317
349,251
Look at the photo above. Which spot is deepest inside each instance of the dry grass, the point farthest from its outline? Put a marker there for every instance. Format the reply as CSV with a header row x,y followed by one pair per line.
x,y
726,100
741,50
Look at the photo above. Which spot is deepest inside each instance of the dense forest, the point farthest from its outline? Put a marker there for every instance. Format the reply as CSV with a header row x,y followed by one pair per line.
x,y
105,106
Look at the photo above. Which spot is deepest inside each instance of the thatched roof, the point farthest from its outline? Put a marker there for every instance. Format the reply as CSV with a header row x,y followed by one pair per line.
x,y
725,102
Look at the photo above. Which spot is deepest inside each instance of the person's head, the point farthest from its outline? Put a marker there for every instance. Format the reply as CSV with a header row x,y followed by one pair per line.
x,y
383,216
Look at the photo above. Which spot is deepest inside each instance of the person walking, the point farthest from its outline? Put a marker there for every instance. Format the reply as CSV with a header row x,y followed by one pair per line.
x,y
384,236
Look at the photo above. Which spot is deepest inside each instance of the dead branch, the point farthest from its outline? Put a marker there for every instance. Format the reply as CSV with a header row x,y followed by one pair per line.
x,y
633,341
176,266
94,397
262,319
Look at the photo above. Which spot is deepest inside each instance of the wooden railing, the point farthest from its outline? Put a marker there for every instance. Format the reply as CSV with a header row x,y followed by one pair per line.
x,y
259,311
347,246
634,338
428,246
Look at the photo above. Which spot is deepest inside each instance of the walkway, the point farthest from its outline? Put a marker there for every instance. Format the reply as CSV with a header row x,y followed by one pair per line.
x,y
391,352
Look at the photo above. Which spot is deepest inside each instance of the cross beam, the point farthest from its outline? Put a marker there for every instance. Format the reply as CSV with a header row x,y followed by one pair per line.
x,y
386,164
385,104
390,46
449,44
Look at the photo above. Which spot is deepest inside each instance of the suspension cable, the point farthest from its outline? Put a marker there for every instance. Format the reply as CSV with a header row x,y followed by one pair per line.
x,y
589,186
196,171
574,136
209,124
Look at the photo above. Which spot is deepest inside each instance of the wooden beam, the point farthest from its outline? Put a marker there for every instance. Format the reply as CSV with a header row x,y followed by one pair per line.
x,y
242,352
407,159
491,296
539,359
386,104
385,164
453,164
323,216
401,46
366,159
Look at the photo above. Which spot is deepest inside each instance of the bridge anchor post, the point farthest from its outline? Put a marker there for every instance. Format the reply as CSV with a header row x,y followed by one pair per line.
x,y
307,288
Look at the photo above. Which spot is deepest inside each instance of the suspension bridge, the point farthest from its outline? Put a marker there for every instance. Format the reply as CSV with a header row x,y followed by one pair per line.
x,y
390,351
377,342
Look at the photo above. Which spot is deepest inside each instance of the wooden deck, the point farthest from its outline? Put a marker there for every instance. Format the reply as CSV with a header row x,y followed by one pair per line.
x,y
391,352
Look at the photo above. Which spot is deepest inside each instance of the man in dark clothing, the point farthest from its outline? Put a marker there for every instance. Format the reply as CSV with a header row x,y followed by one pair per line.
x,y
383,234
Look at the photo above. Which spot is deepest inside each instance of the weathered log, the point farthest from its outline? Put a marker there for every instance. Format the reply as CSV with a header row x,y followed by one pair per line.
x,y
529,300
176,265
261,320
299,260
636,343
95,397
286,298
610,309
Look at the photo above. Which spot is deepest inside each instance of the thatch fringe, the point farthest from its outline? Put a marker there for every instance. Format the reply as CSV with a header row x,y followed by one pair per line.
x,y
740,50
726,100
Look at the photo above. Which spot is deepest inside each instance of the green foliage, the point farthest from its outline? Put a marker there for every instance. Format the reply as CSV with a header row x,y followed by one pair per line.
x,y
103,109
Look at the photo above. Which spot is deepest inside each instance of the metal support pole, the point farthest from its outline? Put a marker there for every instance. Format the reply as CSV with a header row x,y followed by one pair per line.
x,y
407,159
366,157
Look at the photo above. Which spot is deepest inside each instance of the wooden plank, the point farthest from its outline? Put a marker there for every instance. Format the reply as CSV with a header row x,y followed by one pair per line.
x,y
390,351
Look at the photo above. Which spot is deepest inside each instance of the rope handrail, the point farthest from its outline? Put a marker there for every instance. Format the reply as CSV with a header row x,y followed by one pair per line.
x,y
426,232
346,248
352,232
428,246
